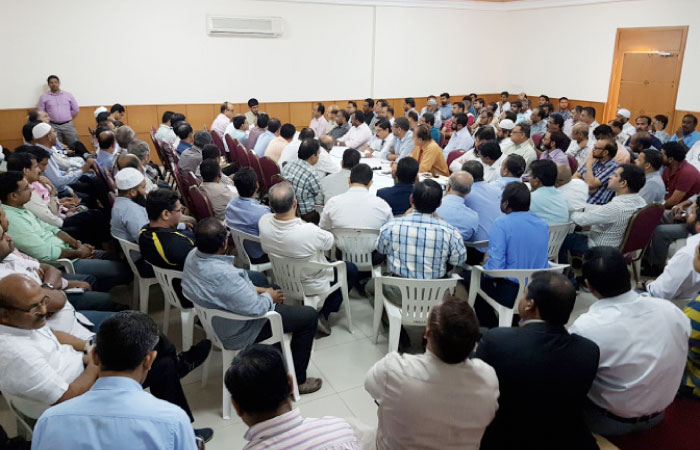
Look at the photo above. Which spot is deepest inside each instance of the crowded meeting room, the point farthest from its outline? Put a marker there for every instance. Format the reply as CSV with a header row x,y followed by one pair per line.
x,y
488,251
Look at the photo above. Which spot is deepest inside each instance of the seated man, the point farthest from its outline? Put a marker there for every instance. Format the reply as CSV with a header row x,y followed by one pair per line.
x,y
337,183
454,211
398,195
402,143
519,239
191,158
326,164
491,158
540,353
286,235
260,389
428,153
40,367
301,175
48,243
654,190
599,167
165,130
356,208
271,132
238,130
605,132
380,144
212,281
643,345
185,133
276,145
358,134
574,190
418,395
290,153
512,170
548,203
460,139
244,212
481,199
679,280
553,145
142,151
219,194
116,409
609,222
521,143
420,245
107,153
681,178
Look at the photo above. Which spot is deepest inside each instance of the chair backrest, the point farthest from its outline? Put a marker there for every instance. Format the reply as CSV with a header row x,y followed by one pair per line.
x,y
201,206
573,164
641,227
230,144
557,234
255,164
127,248
240,155
190,179
20,416
165,279
418,297
288,273
207,315
218,142
239,239
181,187
454,154
356,245
269,169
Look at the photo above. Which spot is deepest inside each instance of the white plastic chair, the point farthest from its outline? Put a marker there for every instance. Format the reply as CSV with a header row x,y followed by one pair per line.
x,y
207,315
239,238
23,428
165,278
67,265
356,245
288,274
557,234
505,314
141,285
417,299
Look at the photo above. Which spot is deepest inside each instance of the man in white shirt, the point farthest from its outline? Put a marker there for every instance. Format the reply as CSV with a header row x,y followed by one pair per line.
x,y
419,395
165,131
461,138
290,153
380,144
693,155
643,345
521,143
588,117
356,208
491,158
679,280
284,234
623,116
575,190
326,164
359,134
580,146
337,183
223,119
238,130
318,121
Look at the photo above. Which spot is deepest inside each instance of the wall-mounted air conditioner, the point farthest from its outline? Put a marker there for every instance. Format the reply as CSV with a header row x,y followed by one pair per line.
x,y
269,27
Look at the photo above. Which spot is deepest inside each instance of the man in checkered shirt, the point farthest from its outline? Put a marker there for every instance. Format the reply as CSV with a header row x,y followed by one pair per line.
x,y
600,167
420,244
304,179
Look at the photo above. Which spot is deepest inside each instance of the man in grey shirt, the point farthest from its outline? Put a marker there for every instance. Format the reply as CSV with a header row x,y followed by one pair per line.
x,y
212,281
654,190
192,157
342,119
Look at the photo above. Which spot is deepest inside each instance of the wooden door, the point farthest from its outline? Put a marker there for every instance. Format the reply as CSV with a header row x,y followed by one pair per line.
x,y
648,83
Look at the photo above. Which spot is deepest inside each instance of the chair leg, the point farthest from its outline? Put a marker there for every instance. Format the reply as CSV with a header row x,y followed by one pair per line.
x,y
205,369
144,293
346,300
378,308
505,317
187,319
394,334
226,396
287,351
135,297
166,316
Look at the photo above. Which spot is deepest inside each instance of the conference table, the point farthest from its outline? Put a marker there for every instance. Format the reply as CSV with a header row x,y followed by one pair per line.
x,y
382,171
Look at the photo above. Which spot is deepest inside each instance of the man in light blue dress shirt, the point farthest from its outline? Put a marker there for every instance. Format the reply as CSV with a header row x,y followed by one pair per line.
x,y
445,106
454,211
403,140
117,413
244,212
106,153
485,200
512,171
546,201
273,129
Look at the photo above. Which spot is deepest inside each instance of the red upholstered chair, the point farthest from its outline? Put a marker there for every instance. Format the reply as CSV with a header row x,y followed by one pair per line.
x,y
190,179
219,143
240,155
572,163
201,206
269,169
109,187
182,188
536,140
231,145
454,154
638,234
255,164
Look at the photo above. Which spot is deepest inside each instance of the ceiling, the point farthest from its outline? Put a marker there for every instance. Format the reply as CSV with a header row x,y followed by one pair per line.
x,y
485,5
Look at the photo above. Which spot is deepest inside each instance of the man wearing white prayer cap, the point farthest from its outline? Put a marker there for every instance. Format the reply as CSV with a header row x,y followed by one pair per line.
x,y
505,127
129,210
623,116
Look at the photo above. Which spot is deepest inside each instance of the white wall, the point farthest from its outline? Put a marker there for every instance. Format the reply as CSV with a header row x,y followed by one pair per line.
x,y
575,55
156,52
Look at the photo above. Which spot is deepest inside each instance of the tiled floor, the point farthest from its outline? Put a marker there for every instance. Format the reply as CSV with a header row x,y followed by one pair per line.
x,y
341,360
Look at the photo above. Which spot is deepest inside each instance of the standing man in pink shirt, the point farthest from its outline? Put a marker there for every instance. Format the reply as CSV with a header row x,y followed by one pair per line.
x,y
318,121
61,108
223,119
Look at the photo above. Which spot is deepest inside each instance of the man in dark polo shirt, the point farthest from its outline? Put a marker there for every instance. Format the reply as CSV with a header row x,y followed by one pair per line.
x,y
398,195
681,178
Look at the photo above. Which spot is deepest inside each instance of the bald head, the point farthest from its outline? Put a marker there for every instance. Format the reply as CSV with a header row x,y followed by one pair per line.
x,y
580,131
128,161
563,175
460,183
327,142
282,197
22,303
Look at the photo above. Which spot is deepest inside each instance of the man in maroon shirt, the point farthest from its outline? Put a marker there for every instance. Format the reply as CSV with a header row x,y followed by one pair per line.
x,y
681,178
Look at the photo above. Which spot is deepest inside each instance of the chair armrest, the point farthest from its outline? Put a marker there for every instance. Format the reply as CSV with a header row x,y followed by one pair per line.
x,y
67,265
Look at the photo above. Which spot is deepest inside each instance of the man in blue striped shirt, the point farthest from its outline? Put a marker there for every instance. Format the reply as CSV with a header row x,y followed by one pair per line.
x,y
599,167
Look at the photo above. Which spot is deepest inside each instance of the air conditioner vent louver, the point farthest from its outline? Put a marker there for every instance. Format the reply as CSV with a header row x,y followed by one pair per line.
x,y
244,26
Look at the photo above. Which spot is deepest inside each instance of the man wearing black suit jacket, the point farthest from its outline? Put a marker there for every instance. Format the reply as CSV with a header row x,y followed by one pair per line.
x,y
544,373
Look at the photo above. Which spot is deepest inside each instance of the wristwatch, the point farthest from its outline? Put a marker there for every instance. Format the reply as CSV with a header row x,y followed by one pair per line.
x,y
47,285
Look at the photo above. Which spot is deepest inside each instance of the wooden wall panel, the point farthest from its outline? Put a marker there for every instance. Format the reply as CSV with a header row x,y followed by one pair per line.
x,y
11,123
674,123
143,117
278,110
300,114
201,116
160,109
